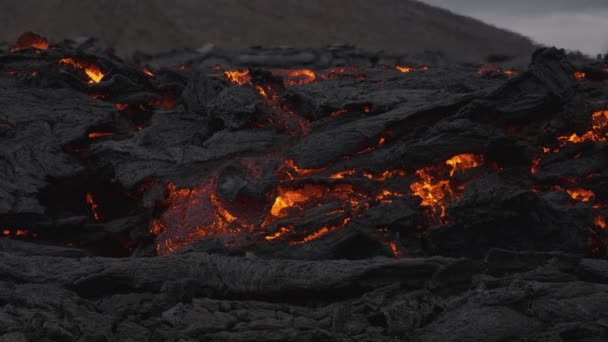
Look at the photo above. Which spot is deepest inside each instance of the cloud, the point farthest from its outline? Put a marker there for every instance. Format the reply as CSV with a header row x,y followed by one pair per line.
x,y
556,23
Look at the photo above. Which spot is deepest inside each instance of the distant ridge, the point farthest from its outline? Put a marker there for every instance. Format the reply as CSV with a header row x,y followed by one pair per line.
x,y
400,26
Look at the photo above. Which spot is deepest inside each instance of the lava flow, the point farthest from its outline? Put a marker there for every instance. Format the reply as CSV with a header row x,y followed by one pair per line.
x,y
91,69
597,133
434,187
199,213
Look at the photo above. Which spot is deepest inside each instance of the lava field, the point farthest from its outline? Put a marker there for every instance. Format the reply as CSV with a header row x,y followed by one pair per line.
x,y
326,194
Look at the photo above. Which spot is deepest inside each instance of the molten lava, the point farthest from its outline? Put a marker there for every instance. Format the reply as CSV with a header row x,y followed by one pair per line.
x,y
296,77
434,187
598,132
600,221
321,232
193,214
91,69
406,70
463,162
580,194
30,40
94,207
238,77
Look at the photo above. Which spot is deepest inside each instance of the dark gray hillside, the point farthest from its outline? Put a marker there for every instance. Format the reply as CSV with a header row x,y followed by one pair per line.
x,y
399,26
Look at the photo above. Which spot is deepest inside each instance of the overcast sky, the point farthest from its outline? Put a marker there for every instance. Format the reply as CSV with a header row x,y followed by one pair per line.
x,y
570,24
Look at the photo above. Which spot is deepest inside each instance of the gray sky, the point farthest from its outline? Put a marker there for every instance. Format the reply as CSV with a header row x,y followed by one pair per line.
x,y
570,24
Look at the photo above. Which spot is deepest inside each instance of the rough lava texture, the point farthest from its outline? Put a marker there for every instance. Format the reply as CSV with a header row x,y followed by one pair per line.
x,y
211,196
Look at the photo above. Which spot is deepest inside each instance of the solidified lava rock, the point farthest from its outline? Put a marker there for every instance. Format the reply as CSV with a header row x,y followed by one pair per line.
x,y
363,202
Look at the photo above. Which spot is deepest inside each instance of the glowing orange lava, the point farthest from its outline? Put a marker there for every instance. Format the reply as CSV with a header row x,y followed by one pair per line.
x,y
30,40
94,207
91,69
463,162
435,189
238,77
406,70
148,72
580,194
95,135
598,132
403,69
194,214
535,165
600,221
579,75
282,232
321,232
121,107
296,77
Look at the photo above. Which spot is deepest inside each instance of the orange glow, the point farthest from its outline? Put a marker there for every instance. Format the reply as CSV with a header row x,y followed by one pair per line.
x,y
121,107
387,196
342,174
403,69
262,91
296,77
580,194
579,75
600,221
338,113
406,70
289,170
30,40
535,165
238,77
381,142
95,135
385,175
283,231
598,132
435,189
6,232
91,69
193,214
382,176
433,193
463,162
394,248
148,72
92,205
510,72
287,199
321,232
